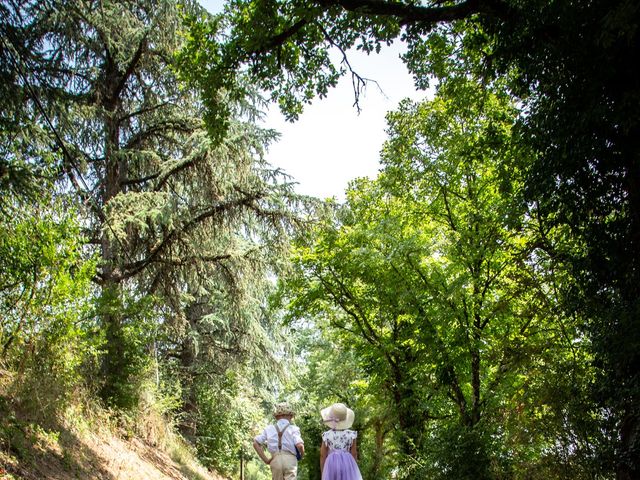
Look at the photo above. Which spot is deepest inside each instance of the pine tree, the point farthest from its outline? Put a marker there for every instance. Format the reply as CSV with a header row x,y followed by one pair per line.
x,y
182,224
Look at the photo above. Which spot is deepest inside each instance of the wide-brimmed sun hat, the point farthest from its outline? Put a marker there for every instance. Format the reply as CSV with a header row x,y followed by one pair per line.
x,y
338,416
283,409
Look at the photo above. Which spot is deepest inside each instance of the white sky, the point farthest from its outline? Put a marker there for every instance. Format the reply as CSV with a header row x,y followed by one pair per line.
x,y
330,144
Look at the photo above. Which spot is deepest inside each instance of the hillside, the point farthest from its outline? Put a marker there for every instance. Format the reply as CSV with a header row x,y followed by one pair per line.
x,y
95,457
89,443
65,455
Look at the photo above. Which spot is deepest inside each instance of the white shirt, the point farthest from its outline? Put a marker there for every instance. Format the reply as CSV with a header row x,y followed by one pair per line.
x,y
339,439
290,437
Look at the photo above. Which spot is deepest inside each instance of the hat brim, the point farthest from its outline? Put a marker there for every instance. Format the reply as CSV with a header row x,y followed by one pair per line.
x,y
325,413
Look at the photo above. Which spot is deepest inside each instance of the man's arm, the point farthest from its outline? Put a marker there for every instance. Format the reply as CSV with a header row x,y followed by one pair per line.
x,y
260,451
297,440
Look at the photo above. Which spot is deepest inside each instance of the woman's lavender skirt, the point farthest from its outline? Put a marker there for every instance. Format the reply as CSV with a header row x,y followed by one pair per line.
x,y
340,465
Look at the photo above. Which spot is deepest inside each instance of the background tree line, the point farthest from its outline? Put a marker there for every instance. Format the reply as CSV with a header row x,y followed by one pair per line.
x,y
573,268
476,304
437,284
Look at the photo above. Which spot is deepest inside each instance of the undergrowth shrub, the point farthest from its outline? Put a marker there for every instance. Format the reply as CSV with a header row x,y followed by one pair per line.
x,y
128,327
46,296
227,417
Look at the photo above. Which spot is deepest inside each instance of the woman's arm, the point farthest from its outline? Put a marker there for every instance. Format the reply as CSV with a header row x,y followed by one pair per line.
x,y
323,456
354,450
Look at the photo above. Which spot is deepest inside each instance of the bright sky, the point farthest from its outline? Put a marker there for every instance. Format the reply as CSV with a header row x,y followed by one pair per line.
x,y
330,144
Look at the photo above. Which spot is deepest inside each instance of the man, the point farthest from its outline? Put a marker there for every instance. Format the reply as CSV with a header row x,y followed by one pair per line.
x,y
282,440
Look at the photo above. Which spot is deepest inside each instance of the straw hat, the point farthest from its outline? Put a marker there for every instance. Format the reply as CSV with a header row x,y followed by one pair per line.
x,y
283,409
338,416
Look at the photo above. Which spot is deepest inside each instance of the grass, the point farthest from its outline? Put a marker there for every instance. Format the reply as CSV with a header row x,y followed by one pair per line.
x,y
44,436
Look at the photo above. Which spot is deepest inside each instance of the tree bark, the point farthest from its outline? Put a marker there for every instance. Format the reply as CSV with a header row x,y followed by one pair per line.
x,y
114,376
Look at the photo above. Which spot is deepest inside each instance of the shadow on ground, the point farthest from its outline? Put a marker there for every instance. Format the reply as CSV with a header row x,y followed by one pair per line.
x,y
30,450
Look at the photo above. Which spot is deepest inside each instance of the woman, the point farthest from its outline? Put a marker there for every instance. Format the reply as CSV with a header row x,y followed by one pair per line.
x,y
339,452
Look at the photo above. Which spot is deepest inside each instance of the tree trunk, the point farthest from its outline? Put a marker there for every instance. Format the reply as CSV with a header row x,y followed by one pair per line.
x,y
115,361
629,464
188,361
378,453
475,372
410,418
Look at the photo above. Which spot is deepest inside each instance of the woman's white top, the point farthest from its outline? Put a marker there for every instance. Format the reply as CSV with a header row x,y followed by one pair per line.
x,y
290,437
339,439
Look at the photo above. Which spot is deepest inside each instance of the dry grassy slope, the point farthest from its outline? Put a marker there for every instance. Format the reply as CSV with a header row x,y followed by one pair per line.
x,y
40,455
65,456
86,443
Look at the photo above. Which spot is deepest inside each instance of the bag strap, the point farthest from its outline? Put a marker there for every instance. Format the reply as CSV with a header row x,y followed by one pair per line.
x,y
280,435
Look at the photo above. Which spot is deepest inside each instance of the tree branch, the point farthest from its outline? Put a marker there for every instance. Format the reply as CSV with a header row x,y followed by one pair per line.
x,y
164,177
132,65
406,13
173,125
141,111
282,37
457,395
136,267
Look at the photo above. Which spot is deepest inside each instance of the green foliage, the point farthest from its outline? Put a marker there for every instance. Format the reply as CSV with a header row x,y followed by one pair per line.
x,y
218,90
433,280
284,46
578,81
225,418
28,164
186,226
568,65
178,218
257,471
126,347
46,299
457,452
